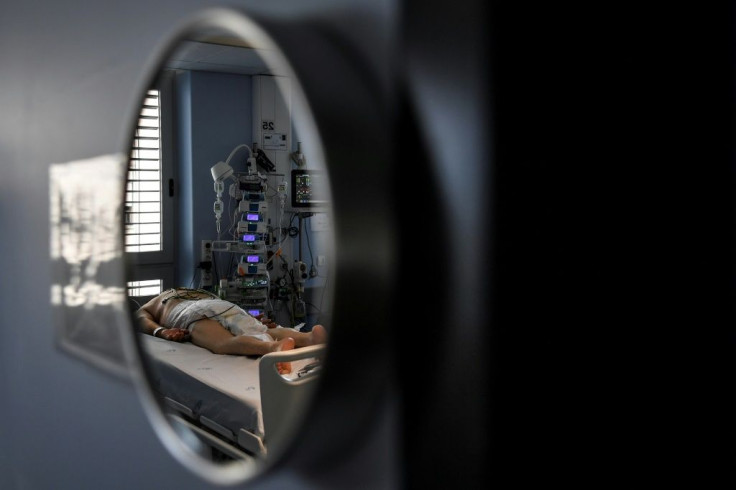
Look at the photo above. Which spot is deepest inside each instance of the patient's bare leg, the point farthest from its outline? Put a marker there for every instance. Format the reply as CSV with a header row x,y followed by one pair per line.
x,y
318,335
213,336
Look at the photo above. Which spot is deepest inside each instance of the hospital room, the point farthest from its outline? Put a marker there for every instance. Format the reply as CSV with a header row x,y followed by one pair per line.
x,y
227,201
365,244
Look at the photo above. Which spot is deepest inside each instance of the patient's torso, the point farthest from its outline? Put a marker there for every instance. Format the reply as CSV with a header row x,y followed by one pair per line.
x,y
185,310
175,297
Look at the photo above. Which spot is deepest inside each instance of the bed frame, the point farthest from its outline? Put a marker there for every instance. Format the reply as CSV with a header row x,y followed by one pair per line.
x,y
239,406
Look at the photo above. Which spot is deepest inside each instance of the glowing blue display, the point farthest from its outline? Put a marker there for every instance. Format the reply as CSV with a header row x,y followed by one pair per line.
x,y
249,238
252,217
253,259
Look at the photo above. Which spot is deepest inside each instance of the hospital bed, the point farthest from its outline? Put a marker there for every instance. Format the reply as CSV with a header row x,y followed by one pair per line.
x,y
239,405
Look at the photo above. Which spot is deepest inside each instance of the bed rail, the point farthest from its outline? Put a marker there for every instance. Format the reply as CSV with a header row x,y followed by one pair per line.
x,y
285,398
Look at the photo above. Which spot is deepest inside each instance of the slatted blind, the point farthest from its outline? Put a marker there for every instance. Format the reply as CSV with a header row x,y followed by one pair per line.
x,y
143,194
152,287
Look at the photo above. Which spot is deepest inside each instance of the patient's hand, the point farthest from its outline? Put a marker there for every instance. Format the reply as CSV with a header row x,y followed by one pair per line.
x,y
175,334
266,321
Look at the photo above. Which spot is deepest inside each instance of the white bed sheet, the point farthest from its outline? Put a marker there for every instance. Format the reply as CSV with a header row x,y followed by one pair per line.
x,y
237,377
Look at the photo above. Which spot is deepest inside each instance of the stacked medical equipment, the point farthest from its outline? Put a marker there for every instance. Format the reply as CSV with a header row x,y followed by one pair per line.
x,y
247,283
259,240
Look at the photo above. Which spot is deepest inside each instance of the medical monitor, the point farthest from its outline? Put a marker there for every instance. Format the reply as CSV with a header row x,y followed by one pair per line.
x,y
309,191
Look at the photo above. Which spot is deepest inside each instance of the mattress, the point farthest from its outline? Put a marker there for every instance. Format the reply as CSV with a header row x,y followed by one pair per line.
x,y
220,392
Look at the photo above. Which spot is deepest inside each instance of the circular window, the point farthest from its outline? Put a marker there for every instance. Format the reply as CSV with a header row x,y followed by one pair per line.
x,y
229,248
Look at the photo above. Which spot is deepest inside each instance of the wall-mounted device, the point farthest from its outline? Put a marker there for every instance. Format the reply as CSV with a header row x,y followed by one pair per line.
x,y
309,191
206,263
301,273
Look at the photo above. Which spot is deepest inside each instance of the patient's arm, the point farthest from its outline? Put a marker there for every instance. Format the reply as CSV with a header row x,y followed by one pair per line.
x,y
266,321
147,321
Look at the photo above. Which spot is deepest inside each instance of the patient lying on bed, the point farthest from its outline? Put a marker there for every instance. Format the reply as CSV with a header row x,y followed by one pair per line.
x,y
222,327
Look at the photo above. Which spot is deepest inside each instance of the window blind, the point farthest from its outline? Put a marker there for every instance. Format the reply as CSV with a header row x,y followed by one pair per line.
x,y
151,287
143,195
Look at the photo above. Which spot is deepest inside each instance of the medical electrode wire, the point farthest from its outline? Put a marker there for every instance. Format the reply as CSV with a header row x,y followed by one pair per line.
x,y
269,304
322,296
317,311
233,224
233,218
279,250
232,266
309,245
214,268
230,215
281,220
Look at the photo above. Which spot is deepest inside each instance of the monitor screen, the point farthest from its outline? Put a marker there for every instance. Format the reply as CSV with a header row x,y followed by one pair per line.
x,y
308,188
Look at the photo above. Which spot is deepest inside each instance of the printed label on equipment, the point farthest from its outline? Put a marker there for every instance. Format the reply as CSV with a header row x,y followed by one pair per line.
x,y
271,139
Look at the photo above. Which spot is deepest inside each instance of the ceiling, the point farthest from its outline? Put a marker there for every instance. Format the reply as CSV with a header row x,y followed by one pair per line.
x,y
222,58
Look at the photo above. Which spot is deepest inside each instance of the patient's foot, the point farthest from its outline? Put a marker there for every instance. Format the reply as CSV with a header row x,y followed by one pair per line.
x,y
318,334
283,345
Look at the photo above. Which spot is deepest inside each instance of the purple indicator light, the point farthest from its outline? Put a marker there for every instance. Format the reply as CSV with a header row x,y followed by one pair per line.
x,y
249,238
254,312
253,259
252,217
